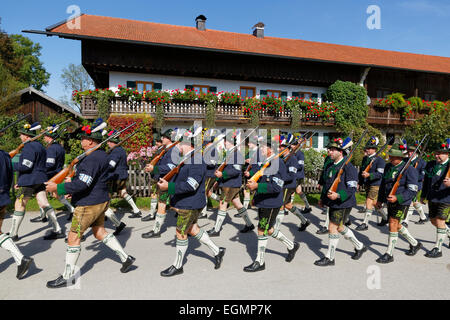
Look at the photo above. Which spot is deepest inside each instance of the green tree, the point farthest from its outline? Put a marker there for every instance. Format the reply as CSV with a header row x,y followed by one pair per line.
x,y
32,71
8,87
75,77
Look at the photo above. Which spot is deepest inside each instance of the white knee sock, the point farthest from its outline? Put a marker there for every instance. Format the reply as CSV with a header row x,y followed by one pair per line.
x,y
333,240
419,208
327,219
110,214
66,203
182,246
367,216
262,244
382,213
305,200
219,220
408,214
50,212
130,201
159,221
204,238
9,245
246,201
349,235
297,212
245,216
440,238
393,238
111,241
153,205
279,220
16,221
405,233
280,236
72,255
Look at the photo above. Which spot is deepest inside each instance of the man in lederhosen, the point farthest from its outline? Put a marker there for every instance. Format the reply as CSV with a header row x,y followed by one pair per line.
x,y
436,189
90,197
187,197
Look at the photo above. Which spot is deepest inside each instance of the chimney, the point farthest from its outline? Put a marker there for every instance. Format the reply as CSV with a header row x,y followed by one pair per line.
x,y
200,22
259,30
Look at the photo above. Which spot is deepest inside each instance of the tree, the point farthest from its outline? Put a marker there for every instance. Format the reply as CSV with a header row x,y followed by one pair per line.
x,y
32,71
75,77
8,87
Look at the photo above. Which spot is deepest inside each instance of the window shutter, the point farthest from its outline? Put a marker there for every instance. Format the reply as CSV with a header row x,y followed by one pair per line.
x,y
131,84
157,86
326,139
314,96
283,95
262,93
315,141
295,94
213,89
189,87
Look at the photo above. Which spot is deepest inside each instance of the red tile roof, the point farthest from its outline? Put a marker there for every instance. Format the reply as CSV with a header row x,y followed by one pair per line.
x,y
141,31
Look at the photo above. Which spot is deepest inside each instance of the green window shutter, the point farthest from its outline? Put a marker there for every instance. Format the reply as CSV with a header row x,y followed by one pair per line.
x,y
189,87
131,84
157,86
314,96
283,95
262,93
213,89
326,139
295,94
315,141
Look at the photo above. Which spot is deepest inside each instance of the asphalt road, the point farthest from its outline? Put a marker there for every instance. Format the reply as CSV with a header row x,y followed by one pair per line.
x,y
407,277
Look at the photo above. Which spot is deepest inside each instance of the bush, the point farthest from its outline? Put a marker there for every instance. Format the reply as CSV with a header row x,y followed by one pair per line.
x,y
397,101
313,161
416,103
9,140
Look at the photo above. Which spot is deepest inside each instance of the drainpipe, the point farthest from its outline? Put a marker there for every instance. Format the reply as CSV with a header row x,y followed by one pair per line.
x,y
363,77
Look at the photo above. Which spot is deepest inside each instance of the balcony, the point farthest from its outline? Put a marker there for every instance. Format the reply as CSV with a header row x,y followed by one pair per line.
x,y
386,116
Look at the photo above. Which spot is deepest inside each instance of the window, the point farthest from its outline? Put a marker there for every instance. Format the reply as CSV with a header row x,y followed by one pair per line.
x,y
309,143
326,139
382,93
248,92
303,95
429,97
200,88
275,93
144,86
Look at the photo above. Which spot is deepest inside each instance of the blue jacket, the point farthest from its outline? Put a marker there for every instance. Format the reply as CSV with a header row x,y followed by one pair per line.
x,y
187,190
55,159
32,165
420,166
346,187
408,186
6,178
270,186
165,164
376,171
117,162
291,173
433,186
326,163
232,174
300,164
89,185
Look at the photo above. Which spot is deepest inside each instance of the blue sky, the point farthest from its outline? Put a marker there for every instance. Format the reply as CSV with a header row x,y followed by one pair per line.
x,y
418,26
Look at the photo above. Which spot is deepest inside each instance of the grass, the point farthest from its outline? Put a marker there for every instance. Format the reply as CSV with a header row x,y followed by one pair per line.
x,y
144,202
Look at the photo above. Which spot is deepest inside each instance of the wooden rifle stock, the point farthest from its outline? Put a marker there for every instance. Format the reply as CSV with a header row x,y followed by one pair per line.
x,y
260,172
396,185
64,173
158,157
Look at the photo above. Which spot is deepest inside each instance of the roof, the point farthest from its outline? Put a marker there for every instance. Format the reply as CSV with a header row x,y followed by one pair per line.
x,y
117,29
31,90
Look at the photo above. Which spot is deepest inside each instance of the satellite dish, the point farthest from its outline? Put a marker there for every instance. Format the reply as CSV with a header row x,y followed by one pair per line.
x,y
368,101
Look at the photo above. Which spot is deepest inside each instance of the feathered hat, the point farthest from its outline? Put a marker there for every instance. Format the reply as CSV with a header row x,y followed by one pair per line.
x,y
372,143
94,131
30,129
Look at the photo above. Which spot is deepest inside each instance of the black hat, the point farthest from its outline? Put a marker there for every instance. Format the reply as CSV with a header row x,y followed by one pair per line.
x,y
372,143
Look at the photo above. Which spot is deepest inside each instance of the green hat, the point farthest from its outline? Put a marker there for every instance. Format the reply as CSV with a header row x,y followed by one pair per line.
x,y
112,132
95,131
167,134
398,150
343,145
372,143
443,147
30,130
53,132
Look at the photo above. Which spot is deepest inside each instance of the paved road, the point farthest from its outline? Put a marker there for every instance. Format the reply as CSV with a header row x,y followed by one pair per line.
x,y
415,277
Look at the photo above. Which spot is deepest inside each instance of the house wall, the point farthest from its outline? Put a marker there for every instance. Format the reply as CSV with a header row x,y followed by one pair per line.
x,y
178,82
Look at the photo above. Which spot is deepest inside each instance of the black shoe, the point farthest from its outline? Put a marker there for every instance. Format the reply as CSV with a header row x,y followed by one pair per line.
x,y
69,218
348,223
304,226
119,228
218,258
171,271
306,210
324,262
127,264
39,219
255,266
247,229
386,258
405,224
213,233
238,215
83,238
286,212
362,227
433,253
15,238
421,221
54,235
291,253
358,253
59,282
135,215
176,214
382,223
151,234
148,217
413,249
24,266
322,230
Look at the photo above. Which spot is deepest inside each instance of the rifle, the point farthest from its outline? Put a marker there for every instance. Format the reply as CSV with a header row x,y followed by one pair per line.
x,y
400,175
175,170
158,157
121,142
14,122
260,172
294,150
335,184
68,171
13,153
422,150
376,154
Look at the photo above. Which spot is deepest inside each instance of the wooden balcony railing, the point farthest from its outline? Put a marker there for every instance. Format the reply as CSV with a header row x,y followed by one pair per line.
x,y
386,116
